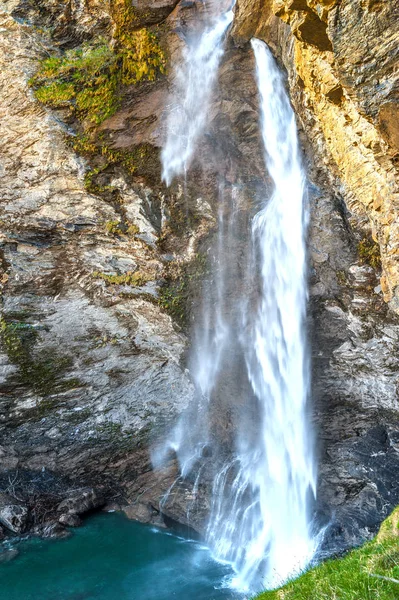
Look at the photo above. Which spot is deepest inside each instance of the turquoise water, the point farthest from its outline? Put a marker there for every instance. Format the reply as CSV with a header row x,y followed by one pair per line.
x,y
112,558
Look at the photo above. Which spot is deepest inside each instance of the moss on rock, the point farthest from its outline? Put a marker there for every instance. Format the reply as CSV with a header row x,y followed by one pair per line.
x,y
136,279
182,280
42,370
89,79
369,253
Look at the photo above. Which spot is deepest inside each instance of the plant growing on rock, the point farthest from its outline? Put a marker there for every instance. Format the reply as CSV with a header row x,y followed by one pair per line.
x,y
369,253
90,79
113,227
41,370
181,280
136,279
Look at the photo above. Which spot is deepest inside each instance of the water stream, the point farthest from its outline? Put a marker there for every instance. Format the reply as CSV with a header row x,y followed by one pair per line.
x,y
194,80
263,480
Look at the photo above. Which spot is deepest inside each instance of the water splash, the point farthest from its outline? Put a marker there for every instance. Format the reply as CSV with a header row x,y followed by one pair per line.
x,y
194,83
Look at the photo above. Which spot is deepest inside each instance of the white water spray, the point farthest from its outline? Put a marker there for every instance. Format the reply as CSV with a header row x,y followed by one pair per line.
x,y
261,521
262,491
194,83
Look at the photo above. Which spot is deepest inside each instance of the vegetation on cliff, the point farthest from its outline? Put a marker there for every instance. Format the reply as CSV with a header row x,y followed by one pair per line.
x,y
89,79
44,370
367,573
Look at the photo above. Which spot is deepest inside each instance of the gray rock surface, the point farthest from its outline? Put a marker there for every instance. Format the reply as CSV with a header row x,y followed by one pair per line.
x,y
13,514
82,501
90,374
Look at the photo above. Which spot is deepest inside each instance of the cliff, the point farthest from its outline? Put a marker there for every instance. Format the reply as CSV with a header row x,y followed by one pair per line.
x,y
102,264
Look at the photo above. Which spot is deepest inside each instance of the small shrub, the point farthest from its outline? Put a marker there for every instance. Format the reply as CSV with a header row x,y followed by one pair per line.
x,y
113,227
369,253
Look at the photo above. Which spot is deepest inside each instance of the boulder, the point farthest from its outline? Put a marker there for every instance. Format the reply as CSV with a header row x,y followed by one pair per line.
x,y
13,514
53,531
70,520
82,501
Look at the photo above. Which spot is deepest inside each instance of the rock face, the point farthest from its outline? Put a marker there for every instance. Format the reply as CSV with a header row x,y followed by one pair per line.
x,y
343,62
96,253
90,370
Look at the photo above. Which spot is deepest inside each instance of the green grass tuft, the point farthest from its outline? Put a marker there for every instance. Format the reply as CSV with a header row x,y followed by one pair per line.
x,y
367,573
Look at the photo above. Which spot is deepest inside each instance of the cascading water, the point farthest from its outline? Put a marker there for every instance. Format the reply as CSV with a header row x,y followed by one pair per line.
x,y
262,523
194,83
263,484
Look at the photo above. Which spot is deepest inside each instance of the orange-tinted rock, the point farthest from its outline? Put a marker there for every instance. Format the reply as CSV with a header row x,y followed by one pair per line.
x,y
388,119
150,12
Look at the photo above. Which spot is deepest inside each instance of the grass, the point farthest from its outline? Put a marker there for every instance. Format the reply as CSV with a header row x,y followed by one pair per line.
x,y
367,573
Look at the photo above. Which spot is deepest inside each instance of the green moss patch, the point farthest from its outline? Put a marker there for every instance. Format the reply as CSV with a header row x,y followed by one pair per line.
x,y
367,573
85,79
136,279
369,253
90,79
42,370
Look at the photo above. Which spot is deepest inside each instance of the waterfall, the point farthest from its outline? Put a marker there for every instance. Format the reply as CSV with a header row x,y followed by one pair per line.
x,y
263,522
263,485
194,82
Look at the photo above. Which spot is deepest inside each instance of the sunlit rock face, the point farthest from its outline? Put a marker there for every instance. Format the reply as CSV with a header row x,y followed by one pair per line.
x,y
343,55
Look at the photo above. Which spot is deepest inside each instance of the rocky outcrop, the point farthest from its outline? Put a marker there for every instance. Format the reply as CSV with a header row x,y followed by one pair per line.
x,y
91,368
13,514
343,57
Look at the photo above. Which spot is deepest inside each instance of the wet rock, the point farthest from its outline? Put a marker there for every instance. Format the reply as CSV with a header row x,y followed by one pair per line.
x,y
52,531
70,520
82,501
13,514
139,512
